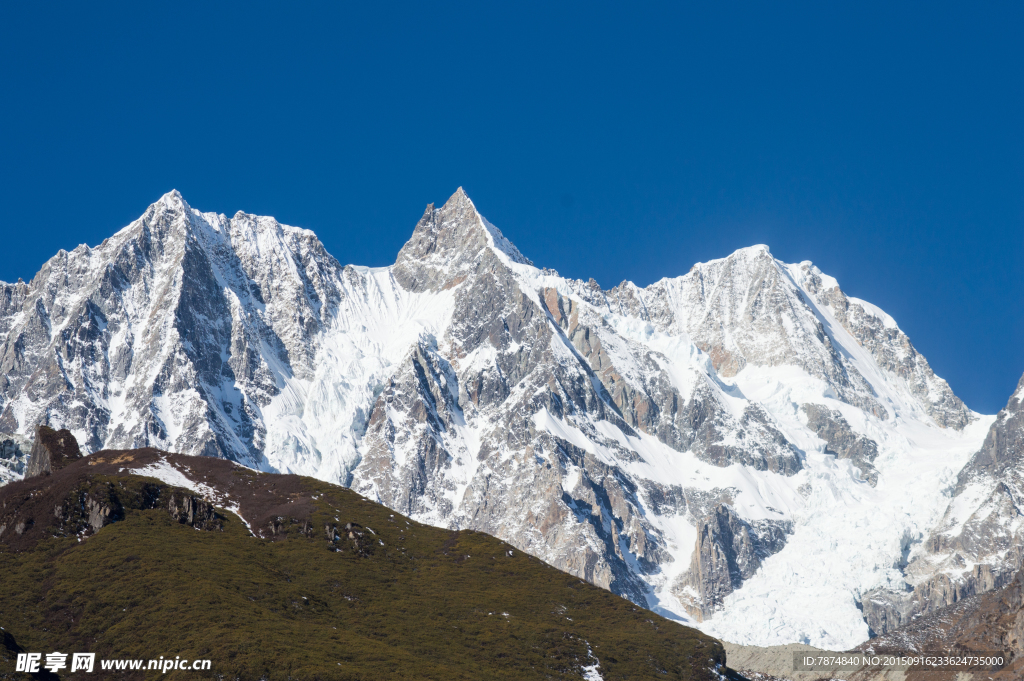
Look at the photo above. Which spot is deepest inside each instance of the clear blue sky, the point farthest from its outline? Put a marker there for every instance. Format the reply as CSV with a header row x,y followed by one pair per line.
x,y
883,141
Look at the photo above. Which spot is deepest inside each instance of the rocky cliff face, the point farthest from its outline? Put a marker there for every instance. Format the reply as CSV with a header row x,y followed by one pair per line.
x,y
729,551
985,623
51,451
14,451
978,544
692,445
841,440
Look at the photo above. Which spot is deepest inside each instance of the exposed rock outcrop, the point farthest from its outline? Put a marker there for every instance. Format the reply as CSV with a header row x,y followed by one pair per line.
x,y
887,610
51,451
729,550
841,440
76,505
193,511
984,623
14,451
87,509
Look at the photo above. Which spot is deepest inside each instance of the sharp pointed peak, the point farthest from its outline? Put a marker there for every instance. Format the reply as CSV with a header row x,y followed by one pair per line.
x,y
459,201
173,200
456,232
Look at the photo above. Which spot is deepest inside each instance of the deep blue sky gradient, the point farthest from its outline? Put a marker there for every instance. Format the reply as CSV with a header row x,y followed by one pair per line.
x,y
885,143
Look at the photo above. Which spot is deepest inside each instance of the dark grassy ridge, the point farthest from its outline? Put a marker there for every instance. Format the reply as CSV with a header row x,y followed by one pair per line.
x,y
403,601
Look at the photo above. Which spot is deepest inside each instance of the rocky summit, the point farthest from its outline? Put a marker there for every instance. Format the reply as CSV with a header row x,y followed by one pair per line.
x,y
744,447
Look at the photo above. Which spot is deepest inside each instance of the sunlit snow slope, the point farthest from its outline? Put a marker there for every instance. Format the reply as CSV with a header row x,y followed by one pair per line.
x,y
743,446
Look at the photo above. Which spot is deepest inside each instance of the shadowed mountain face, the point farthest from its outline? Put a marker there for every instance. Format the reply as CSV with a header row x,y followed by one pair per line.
x,y
691,445
134,554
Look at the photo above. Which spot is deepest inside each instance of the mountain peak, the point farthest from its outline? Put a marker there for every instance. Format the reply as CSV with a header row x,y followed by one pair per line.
x,y
460,203
448,237
459,198
752,252
174,201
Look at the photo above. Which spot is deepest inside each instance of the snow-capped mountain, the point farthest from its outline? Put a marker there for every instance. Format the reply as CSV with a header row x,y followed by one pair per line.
x,y
743,446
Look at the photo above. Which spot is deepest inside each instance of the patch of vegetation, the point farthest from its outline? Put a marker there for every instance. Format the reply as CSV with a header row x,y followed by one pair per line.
x,y
348,591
